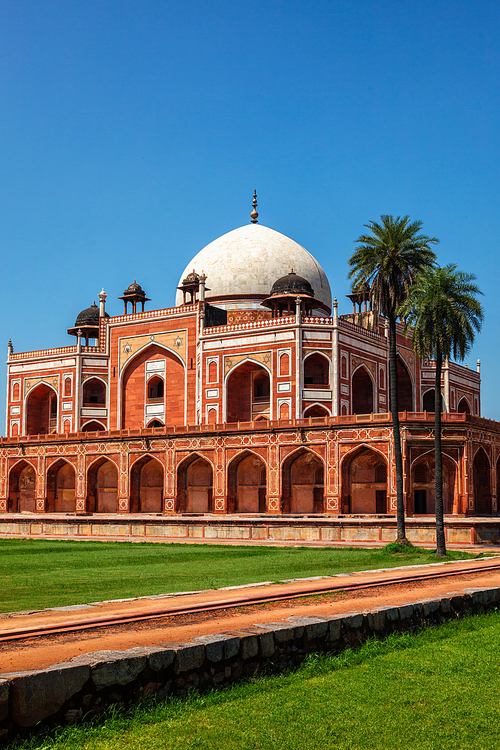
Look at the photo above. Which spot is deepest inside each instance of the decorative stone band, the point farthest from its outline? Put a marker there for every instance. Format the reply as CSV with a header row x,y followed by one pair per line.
x,y
90,682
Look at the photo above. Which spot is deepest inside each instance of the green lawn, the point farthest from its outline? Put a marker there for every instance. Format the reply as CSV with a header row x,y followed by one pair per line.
x,y
438,689
38,573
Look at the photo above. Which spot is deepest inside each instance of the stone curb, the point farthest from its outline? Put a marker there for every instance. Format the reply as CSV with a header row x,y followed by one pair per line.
x,y
89,683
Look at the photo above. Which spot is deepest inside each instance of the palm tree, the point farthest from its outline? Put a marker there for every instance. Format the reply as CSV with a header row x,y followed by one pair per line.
x,y
388,260
443,313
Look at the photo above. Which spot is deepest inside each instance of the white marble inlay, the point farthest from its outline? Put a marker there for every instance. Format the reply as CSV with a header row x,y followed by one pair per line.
x,y
55,364
212,393
67,406
88,412
95,362
284,387
317,336
155,366
249,340
15,409
155,409
313,395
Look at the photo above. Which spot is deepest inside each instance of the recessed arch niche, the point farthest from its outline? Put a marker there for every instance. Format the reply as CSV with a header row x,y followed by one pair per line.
x,y
247,392
195,485
61,488
423,487
22,486
247,484
303,483
146,486
482,483
362,392
364,482
102,487
41,410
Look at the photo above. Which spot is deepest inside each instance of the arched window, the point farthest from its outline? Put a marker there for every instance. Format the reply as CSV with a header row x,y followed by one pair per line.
x,y
94,393
156,389
362,392
284,364
92,426
261,387
420,475
316,370
155,423
428,401
15,429
284,411
463,406
212,372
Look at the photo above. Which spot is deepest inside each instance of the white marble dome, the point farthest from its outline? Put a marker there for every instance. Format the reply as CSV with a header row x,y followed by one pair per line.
x,y
246,262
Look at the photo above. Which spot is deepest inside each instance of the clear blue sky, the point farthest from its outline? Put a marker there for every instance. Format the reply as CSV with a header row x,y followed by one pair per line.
x,y
134,133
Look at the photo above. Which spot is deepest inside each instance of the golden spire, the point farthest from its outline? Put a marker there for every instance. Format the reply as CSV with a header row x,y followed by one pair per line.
x,y
254,213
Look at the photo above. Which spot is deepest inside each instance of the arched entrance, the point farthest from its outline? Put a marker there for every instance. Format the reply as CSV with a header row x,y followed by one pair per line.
x,y
194,486
94,393
22,485
364,482
41,410
61,488
316,411
423,478
146,486
93,426
362,392
138,406
428,401
316,371
247,484
405,388
102,486
482,483
248,393
303,483
463,406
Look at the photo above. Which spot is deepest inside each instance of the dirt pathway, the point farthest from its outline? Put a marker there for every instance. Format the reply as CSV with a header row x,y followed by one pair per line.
x,y
40,652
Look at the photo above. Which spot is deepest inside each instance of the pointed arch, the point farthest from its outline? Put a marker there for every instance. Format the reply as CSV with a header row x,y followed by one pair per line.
x,y
428,400
41,409
481,472
93,426
134,384
22,486
247,389
94,391
364,481
422,484
155,423
405,386
316,370
362,390
102,486
246,477
146,485
61,479
317,410
303,478
464,406
195,485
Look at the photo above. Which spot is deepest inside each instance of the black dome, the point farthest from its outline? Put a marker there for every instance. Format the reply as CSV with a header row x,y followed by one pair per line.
x,y
89,317
292,284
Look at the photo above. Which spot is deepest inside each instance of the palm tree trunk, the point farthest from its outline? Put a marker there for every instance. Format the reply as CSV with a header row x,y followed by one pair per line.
x,y
438,460
398,458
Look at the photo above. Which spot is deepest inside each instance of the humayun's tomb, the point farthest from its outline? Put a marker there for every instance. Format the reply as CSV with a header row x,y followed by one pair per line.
x,y
249,410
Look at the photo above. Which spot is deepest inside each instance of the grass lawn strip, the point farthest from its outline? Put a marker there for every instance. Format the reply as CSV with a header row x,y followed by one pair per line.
x,y
38,573
438,688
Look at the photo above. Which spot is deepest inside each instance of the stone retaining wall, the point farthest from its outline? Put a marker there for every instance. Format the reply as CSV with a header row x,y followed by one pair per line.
x,y
89,683
321,530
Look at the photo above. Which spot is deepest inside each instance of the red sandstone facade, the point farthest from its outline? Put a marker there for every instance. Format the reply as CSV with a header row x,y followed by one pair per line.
x,y
278,409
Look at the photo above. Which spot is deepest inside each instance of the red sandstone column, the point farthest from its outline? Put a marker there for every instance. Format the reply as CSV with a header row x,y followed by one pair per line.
x,y
123,481
169,479
81,484
41,485
4,485
273,495
220,481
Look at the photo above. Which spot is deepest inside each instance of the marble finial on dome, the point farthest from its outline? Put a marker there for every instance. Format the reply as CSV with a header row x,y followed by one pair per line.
x,y
254,213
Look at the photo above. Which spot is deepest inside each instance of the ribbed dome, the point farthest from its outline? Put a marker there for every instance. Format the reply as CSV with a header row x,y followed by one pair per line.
x,y
245,263
292,284
89,316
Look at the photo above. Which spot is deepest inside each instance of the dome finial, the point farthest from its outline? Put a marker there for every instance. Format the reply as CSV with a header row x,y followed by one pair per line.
x,y
254,213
